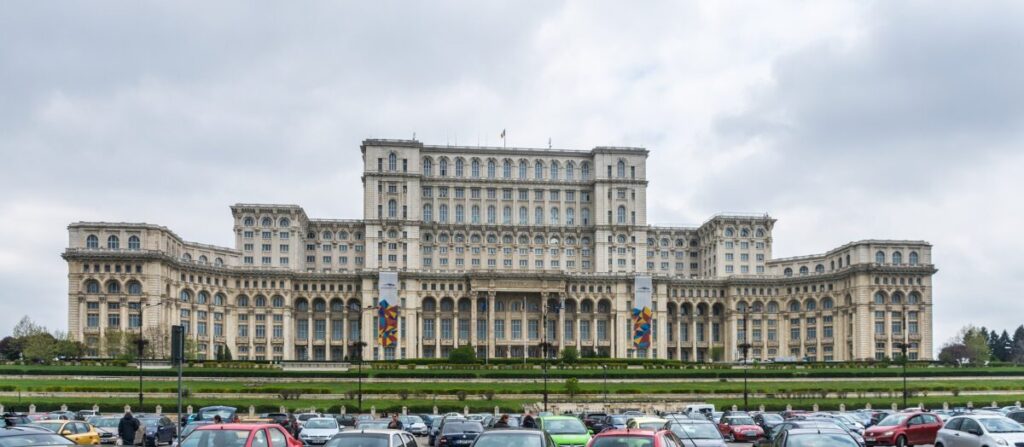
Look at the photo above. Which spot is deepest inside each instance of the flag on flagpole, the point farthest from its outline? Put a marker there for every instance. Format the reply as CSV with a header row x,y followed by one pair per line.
x,y
502,133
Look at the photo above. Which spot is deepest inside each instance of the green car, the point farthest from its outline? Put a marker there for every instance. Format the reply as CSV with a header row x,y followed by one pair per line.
x,y
566,431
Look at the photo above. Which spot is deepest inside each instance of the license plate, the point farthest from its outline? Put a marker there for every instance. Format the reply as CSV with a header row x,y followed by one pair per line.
x,y
463,442
749,433
869,439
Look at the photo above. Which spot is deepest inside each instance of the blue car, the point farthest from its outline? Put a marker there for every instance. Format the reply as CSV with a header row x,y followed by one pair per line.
x,y
159,430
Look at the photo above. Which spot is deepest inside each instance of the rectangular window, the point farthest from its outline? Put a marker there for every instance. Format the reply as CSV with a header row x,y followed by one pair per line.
x,y
464,329
481,329
446,328
585,330
602,330
499,329
517,329
319,329
428,329
302,330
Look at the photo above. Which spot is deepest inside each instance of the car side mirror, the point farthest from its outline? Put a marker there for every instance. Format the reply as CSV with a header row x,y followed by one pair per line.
x,y
65,432
590,432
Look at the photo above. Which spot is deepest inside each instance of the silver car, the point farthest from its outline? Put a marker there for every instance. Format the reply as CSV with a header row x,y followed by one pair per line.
x,y
317,431
980,430
699,433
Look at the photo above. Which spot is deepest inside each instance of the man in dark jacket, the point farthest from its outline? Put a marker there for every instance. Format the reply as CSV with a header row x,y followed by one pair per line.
x,y
395,424
126,428
528,420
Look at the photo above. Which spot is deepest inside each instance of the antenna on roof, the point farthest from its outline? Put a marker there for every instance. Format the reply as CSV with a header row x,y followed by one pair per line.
x,y
549,142
414,135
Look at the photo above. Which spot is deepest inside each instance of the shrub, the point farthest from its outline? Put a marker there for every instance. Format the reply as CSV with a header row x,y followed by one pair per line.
x,y
461,395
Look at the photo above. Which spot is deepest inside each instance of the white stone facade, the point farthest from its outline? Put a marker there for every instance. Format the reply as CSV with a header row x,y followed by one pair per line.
x,y
482,238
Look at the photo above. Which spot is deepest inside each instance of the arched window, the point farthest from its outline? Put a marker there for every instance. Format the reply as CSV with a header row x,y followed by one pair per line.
x,y
92,286
342,235
261,301
459,166
522,169
92,241
302,305
538,216
729,232
202,260
185,295
242,301
428,213
794,306
113,242
328,235
759,233
538,170
880,257
897,258
392,208
897,298
524,217
585,170
392,162
570,171
554,216
337,305
474,214
554,170
460,214
428,167
506,169
186,257
788,272
442,213
249,221
284,222
913,298
913,258
819,269
319,305
475,168
506,215
826,303
810,305
803,271
490,169
134,243
278,301
491,214
267,222
621,170
621,217
773,307
879,298
429,305
442,167
202,297
447,305
218,299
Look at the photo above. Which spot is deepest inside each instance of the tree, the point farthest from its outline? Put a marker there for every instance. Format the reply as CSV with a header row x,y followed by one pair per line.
x,y
1017,352
26,328
113,344
40,348
570,355
572,386
976,342
10,348
1003,347
462,355
717,353
222,353
953,353
67,347
993,344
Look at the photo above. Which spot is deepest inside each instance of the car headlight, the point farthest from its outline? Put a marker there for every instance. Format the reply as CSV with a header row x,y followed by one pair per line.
x,y
888,433
1001,441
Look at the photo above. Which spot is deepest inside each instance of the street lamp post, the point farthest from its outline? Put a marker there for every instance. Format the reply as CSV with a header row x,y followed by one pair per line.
x,y
903,345
605,367
745,346
358,346
141,344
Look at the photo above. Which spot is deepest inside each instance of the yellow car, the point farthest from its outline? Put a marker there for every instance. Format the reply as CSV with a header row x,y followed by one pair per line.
x,y
80,433
646,423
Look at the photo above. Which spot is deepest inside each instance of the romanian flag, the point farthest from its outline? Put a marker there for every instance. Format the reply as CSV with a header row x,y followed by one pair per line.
x,y
387,324
642,327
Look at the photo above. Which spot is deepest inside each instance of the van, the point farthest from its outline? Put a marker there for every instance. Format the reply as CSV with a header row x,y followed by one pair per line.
x,y
705,409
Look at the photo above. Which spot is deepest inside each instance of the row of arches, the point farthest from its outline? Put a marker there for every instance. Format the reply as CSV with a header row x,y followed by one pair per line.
x,y
266,222
896,297
506,238
744,232
113,286
897,258
553,215
464,304
322,305
203,260
509,169
342,235
113,242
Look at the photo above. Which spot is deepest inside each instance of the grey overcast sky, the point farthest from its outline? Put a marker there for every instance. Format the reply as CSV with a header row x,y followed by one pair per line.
x,y
843,120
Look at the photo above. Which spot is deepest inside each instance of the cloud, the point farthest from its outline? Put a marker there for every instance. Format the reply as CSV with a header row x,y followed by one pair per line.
x,y
845,120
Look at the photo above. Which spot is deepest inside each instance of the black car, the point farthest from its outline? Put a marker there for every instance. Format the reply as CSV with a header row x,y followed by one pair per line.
x,y
12,419
435,430
22,436
513,437
1016,415
832,437
159,429
346,420
514,421
610,421
286,420
768,421
589,419
459,434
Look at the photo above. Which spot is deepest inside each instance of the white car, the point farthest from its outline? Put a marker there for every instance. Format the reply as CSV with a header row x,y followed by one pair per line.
x,y
414,424
317,431
980,430
301,418
373,437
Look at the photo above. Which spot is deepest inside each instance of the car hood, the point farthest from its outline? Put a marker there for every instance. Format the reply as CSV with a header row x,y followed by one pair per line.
x,y
879,429
703,443
318,431
571,439
742,428
1012,438
107,430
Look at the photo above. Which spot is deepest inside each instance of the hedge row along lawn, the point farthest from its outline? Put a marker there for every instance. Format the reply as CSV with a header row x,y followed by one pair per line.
x,y
116,405
517,373
532,387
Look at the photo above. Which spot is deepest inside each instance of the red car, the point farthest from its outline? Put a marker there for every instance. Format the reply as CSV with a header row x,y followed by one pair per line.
x,y
903,429
634,438
240,435
740,428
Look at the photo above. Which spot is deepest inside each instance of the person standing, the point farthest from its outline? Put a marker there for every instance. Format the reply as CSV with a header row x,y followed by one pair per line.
x,y
126,428
502,422
528,420
395,423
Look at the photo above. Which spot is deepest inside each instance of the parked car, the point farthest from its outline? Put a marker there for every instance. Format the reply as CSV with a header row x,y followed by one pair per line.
x,y
62,415
158,429
903,429
698,433
83,415
1016,416
240,435
739,428
768,421
20,436
459,434
590,419
317,431
635,438
413,424
565,430
610,422
227,414
372,438
107,427
436,431
513,437
286,420
793,424
80,433
979,431
646,423
303,417
802,437
346,420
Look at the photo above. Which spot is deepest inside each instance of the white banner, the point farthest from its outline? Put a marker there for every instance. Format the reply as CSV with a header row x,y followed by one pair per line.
x,y
387,283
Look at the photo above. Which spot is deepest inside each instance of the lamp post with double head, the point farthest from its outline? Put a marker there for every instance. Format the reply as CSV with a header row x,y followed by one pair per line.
x,y
745,347
356,349
140,344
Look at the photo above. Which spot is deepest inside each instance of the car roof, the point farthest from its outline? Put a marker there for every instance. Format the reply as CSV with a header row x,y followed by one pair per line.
x,y
21,430
514,430
626,432
809,431
641,419
374,431
235,426
557,417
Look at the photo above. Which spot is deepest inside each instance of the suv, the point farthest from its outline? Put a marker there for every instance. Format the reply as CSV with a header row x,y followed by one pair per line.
x,y
903,429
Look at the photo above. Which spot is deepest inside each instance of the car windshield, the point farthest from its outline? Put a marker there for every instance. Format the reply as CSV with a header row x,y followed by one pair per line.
x,y
216,438
618,420
1001,425
150,422
623,441
359,440
509,440
821,440
739,420
695,431
33,440
892,420
51,425
772,418
568,426
651,425
463,427
105,422
321,423
207,415
306,417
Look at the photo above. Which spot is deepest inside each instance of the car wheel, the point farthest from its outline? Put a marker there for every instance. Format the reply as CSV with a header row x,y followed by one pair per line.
x,y
731,437
901,441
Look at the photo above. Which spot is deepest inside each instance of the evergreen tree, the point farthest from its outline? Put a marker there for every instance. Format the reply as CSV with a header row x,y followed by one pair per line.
x,y
1003,347
1017,353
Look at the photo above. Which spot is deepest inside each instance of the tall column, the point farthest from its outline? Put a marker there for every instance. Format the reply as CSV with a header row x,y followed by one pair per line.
x,y
472,319
491,303
560,326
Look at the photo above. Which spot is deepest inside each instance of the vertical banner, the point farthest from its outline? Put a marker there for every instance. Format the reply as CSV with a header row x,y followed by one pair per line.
x,y
642,312
387,309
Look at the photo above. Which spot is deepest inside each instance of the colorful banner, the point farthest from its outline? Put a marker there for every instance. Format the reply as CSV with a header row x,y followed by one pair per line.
x,y
642,312
387,309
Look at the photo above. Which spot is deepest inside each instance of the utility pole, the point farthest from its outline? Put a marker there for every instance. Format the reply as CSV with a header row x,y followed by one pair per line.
x,y
745,346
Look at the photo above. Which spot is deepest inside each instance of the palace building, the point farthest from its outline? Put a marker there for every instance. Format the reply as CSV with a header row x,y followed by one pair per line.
x,y
502,249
